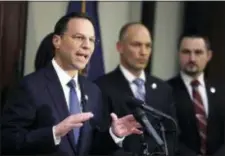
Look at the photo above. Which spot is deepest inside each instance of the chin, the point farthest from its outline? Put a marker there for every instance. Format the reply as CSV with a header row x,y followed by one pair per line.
x,y
78,66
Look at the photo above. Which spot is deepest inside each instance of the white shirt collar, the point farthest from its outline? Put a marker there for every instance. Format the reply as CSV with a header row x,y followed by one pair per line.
x,y
129,76
64,78
187,79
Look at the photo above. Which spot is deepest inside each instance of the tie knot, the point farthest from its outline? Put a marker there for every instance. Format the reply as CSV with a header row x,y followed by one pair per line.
x,y
72,84
195,83
139,82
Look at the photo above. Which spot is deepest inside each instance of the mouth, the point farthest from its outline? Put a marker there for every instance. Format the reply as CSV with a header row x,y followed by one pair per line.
x,y
82,56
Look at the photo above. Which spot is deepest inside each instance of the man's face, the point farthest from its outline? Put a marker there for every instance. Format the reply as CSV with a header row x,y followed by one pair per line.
x,y
193,55
135,48
75,47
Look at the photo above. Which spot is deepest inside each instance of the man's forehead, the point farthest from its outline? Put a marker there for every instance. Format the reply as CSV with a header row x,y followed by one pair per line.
x,y
190,42
80,25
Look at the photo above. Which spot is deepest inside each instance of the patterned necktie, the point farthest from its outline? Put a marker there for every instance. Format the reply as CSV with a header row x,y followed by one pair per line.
x,y
74,106
200,115
140,92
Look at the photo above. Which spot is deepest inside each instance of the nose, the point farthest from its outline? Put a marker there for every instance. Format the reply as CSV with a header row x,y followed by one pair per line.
x,y
86,43
192,56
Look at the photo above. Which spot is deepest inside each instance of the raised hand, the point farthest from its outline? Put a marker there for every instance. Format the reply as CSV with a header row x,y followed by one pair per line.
x,y
72,121
124,126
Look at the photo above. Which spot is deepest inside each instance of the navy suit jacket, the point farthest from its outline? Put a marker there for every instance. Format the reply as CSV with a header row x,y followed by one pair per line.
x,y
39,104
189,136
116,89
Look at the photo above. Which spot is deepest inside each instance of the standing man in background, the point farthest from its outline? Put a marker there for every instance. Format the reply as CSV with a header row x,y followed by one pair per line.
x,y
55,111
199,102
129,79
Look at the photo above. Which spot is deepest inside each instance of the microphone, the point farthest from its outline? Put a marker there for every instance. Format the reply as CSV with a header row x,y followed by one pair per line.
x,y
134,103
141,117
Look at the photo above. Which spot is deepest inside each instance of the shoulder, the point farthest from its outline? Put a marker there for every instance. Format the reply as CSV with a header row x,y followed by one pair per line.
x,y
106,79
89,84
33,78
175,82
157,82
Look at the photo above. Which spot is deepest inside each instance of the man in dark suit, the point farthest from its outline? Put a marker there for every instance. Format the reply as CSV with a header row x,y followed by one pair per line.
x,y
199,102
58,112
129,79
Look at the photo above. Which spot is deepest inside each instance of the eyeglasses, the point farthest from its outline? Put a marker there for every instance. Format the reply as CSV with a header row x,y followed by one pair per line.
x,y
79,38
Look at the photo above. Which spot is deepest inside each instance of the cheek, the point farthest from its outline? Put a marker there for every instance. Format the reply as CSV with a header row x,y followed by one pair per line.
x,y
183,60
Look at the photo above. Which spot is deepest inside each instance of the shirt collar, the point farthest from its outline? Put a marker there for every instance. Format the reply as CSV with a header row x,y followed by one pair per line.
x,y
64,78
187,79
129,76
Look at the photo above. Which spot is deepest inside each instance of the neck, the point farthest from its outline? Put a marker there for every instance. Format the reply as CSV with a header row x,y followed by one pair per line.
x,y
67,68
194,76
136,73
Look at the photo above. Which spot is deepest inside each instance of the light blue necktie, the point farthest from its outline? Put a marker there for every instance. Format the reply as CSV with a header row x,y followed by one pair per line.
x,y
74,106
140,92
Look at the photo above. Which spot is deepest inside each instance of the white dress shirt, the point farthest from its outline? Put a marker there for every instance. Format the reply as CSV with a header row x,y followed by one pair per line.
x,y
64,78
201,88
130,78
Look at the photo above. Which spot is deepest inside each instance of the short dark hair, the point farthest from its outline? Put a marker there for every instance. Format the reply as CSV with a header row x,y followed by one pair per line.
x,y
125,27
195,35
61,25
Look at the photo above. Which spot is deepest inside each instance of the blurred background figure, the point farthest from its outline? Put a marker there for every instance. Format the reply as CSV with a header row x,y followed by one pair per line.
x,y
45,52
199,101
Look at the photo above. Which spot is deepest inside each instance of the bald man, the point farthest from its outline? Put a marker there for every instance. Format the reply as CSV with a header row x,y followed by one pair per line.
x,y
129,79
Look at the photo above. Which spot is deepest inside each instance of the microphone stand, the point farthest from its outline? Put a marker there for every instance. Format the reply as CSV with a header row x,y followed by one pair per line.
x,y
144,147
160,117
163,130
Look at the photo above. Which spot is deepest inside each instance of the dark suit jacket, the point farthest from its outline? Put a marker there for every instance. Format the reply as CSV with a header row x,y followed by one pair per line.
x,y
116,88
189,136
38,105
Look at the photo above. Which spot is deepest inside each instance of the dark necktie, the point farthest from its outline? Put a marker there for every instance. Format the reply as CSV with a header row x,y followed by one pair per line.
x,y
200,115
74,106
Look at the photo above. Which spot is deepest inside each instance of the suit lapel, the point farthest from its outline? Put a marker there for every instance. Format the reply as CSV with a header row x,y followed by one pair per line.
x,y
184,101
210,90
122,83
86,105
57,94
150,87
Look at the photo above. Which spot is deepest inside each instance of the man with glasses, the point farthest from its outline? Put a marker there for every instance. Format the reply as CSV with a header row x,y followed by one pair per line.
x,y
55,111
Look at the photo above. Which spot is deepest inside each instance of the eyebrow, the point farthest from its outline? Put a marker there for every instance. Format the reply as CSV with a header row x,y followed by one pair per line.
x,y
84,35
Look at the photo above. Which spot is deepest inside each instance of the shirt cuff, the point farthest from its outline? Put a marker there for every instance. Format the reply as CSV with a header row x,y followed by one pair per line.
x,y
57,140
117,140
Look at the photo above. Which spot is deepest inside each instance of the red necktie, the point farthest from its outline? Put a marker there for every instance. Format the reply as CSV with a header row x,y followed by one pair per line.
x,y
200,115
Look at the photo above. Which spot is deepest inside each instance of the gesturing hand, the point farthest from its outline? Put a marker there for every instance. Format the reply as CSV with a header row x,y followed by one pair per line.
x,y
124,126
72,121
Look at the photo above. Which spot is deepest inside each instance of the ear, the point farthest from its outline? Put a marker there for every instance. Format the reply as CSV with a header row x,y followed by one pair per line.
x,y
210,53
119,46
56,40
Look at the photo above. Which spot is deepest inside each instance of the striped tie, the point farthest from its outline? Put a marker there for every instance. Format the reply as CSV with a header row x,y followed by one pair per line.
x,y
200,115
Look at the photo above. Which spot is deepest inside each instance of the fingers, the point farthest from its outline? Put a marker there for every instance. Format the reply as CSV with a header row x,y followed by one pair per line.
x,y
82,117
114,117
136,131
128,118
77,125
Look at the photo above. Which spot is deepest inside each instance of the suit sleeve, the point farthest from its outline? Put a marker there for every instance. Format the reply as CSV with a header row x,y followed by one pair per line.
x,y
19,132
221,150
